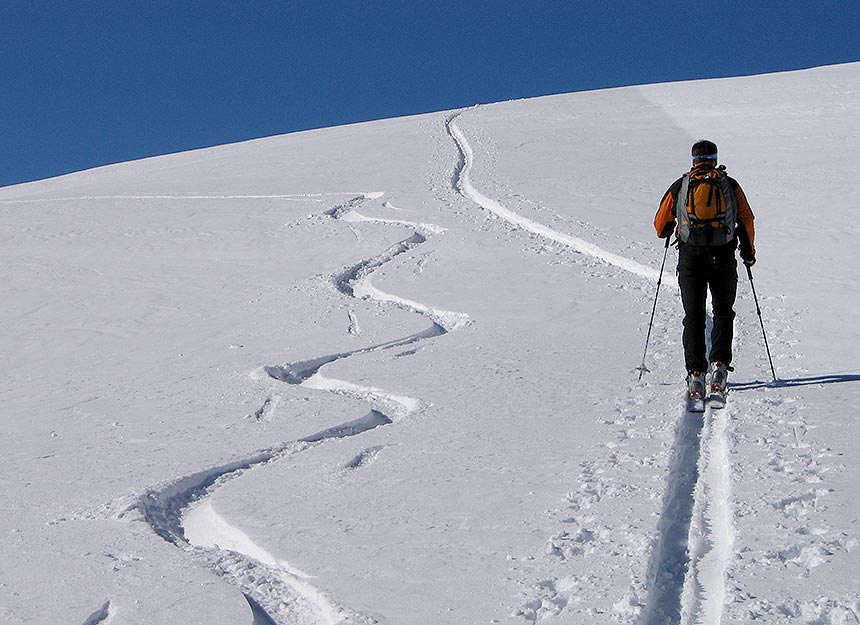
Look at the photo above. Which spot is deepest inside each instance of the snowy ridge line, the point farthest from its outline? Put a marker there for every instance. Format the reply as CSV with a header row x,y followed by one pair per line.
x,y
283,196
464,186
711,530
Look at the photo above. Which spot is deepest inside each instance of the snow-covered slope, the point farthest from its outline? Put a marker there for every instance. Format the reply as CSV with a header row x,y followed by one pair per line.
x,y
386,373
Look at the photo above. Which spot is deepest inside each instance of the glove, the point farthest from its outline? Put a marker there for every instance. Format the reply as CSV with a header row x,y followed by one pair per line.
x,y
747,255
668,230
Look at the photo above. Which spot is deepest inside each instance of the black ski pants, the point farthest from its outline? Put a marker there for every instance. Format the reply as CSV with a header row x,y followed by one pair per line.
x,y
701,269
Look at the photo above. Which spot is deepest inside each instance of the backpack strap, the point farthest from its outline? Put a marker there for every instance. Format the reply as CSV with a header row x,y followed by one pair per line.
x,y
730,219
682,213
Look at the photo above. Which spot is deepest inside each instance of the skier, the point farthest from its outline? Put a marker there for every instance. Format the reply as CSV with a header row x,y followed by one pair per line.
x,y
709,213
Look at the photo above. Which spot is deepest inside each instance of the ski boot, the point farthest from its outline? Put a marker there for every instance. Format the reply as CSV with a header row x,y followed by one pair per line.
x,y
719,384
696,391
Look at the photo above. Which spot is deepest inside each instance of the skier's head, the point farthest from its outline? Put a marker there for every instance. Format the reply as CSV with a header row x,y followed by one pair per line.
x,y
704,150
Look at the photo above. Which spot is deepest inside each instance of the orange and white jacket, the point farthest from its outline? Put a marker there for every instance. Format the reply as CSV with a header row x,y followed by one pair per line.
x,y
665,222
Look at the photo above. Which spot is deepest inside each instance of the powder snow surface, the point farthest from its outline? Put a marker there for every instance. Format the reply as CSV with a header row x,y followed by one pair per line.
x,y
386,373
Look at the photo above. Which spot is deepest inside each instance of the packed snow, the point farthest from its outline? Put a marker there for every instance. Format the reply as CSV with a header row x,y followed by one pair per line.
x,y
387,373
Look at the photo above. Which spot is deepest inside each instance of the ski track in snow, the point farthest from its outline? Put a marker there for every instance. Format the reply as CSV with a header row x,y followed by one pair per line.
x,y
274,590
181,511
691,559
691,554
688,565
355,281
711,529
669,564
463,184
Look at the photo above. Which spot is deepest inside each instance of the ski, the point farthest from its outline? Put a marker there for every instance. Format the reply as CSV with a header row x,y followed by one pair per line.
x,y
717,399
718,385
707,391
696,392
695,404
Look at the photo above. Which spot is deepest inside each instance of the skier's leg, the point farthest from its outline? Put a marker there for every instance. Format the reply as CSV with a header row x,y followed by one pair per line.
x,y
724,287
694,286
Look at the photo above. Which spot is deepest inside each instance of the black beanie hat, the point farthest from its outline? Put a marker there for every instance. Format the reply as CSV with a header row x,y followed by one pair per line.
x,y
704,150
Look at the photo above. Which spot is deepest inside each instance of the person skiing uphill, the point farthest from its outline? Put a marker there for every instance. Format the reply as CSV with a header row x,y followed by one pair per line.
x,y
709,213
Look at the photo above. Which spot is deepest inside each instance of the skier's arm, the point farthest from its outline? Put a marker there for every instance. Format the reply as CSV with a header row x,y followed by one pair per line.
x,y
664,220
745,227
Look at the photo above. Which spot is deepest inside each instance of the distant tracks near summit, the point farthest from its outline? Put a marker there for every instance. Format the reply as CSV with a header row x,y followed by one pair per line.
x,y
463,185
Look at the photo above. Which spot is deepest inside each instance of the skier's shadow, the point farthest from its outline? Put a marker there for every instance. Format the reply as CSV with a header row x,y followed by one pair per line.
x,y
835,378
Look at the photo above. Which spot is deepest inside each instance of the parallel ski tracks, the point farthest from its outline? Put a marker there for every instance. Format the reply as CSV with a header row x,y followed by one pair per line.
x,y
691,553
687,571
692,550
711,535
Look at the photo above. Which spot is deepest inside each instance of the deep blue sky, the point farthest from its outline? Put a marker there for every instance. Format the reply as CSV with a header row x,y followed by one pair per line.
x,y
87,83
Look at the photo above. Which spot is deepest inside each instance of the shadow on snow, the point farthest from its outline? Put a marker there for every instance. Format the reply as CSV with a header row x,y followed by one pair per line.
x,y
835,378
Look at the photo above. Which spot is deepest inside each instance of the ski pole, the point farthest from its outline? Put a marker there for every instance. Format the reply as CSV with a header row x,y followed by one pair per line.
x,y
758,311
642,368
